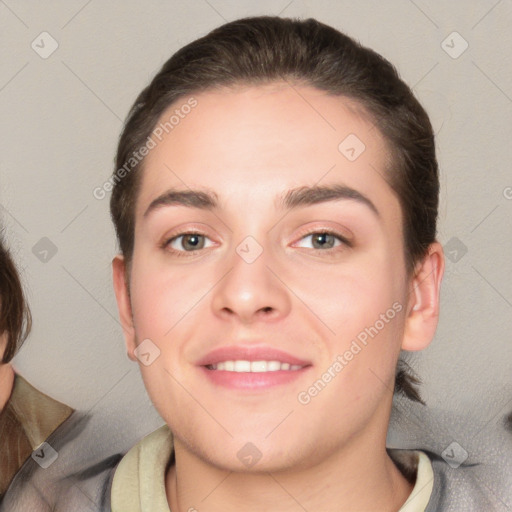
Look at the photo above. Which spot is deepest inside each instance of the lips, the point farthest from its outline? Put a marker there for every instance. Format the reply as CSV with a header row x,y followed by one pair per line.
x,y
250,353
244,366
252,368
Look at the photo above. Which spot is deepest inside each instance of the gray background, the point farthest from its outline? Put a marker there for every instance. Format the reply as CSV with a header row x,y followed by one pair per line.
x,y
61,117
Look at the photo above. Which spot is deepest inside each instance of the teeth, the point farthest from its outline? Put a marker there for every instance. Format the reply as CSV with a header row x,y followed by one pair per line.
x,y
242,366
254,366
273,366
259,366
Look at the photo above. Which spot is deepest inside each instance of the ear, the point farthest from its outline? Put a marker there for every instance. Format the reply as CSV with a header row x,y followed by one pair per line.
x,y
121,289
423,302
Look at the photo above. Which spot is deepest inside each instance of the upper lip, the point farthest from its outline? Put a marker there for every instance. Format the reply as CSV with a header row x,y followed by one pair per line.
x,y
249,353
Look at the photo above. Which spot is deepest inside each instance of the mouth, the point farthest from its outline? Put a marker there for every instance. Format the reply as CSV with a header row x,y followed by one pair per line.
x,y
252,367
241,366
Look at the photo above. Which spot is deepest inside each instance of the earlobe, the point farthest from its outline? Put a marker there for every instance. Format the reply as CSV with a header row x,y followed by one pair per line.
x,y
121,290
423,301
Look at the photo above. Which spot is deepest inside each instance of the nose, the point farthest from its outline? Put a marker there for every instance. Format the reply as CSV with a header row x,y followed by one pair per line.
x,y
251,292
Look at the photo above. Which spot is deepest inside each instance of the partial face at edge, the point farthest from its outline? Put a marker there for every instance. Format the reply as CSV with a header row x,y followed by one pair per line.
x,y
260,271
4,338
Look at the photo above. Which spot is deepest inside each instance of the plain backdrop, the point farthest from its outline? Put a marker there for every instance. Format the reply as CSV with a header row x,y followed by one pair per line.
x,y
61,115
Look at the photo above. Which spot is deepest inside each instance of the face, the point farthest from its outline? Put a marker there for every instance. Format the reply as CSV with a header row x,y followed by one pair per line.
x,y
268,276
3,344
4,338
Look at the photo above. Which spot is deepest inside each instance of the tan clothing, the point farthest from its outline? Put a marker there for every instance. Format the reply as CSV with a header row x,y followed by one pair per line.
x,y
139,481
27,419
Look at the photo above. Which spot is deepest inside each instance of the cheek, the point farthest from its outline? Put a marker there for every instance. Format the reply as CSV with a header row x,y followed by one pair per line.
x,y
363,306
165,302
162,297
349,298
357,376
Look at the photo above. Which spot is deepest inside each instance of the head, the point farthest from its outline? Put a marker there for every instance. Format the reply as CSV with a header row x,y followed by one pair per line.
x,y
291,203
15,319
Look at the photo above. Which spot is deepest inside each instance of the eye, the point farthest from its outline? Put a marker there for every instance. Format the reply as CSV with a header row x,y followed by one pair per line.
x,y
321,240
188,242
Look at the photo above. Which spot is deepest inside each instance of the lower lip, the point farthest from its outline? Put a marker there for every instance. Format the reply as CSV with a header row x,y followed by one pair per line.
x,y
253,380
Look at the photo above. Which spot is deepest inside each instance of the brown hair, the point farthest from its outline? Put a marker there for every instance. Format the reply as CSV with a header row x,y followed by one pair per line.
x,y
267,49
15,318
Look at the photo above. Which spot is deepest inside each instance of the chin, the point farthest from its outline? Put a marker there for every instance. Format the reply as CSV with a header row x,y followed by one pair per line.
x,y
253,455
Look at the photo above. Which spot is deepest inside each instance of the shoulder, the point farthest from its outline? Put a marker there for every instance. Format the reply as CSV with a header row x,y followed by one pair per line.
x,y
36,413
444,485
140,475
469,487
470,456
64,478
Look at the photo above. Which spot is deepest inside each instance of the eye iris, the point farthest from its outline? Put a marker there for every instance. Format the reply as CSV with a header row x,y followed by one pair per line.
x,y
323,240
192,242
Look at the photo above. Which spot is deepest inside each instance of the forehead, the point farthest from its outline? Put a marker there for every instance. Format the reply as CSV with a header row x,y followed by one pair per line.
x,y
258,141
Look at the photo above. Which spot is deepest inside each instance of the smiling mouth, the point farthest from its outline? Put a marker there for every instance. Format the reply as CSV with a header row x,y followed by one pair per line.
x,y
243,366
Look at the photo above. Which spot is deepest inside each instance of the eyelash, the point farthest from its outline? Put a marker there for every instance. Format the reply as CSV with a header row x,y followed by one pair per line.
x,y
343,241
182,253
166,244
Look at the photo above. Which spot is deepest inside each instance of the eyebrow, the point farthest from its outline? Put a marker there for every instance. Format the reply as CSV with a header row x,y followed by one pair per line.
x,y
206,200
307,196
302,196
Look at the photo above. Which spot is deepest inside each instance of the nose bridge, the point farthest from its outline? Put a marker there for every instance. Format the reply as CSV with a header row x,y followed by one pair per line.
x,y
250,290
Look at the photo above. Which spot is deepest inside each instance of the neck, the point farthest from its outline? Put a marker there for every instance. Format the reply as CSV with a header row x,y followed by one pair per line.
x,y
359,476
6,383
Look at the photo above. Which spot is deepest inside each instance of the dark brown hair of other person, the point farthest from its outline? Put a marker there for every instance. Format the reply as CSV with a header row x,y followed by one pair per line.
x,y
15,317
